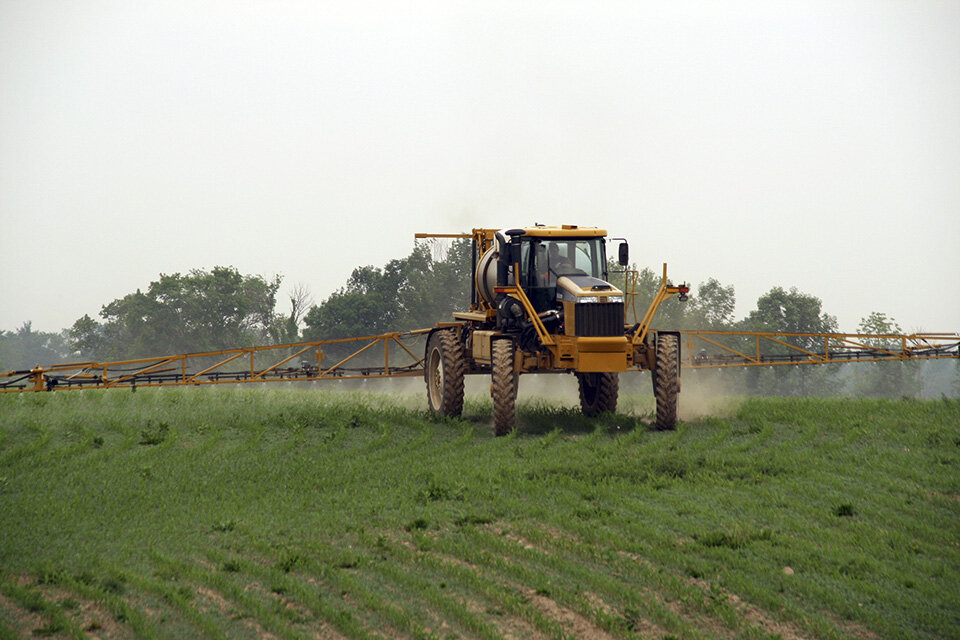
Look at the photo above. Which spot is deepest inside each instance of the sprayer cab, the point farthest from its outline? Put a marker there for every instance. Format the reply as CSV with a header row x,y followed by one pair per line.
x,y
545,259
560,270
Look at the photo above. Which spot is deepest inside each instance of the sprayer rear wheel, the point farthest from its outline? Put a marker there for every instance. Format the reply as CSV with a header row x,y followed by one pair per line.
x,y
666,381
598,392
503,387
443,369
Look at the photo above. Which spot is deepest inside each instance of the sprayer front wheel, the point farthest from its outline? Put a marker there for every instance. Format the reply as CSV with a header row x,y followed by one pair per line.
x,y
503,387
666,381
598,392
444,369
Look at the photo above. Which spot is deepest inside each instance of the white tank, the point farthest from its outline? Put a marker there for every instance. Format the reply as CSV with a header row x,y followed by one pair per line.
x,y
486,276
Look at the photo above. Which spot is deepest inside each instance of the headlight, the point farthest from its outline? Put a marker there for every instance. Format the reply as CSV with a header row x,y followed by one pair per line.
x,y
583,299
614,298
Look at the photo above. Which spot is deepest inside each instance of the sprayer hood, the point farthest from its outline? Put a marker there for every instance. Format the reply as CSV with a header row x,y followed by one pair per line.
x,y
572,287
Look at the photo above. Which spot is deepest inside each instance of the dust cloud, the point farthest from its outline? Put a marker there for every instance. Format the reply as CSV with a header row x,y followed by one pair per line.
x,y
703,393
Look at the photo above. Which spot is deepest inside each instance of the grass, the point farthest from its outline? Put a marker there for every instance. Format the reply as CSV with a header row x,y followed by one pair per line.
x,y
243,512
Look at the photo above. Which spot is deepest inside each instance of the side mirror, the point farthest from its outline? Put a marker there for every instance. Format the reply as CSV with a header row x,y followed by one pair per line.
x,y
624,257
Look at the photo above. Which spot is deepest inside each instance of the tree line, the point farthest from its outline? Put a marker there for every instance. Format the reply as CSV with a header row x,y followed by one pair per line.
x,y
222,308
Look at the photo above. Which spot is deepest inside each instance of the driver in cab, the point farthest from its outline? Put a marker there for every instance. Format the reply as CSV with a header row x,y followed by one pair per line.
x,y
550,267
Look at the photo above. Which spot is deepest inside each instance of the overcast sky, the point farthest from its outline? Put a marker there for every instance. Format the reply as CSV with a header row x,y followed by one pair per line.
x,y
805,144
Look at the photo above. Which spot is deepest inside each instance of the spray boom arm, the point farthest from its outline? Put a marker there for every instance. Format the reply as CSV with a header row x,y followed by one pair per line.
x,y
665,291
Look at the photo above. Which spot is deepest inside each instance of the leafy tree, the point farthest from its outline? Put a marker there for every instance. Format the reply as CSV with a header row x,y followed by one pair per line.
x,y
26,348
199,311
714,303
409,293
89,338
437,287
877,379
790,311
367,305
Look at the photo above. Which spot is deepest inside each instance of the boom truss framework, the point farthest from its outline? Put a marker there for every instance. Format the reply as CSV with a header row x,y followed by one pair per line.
x,y
228,366
304,361
718,349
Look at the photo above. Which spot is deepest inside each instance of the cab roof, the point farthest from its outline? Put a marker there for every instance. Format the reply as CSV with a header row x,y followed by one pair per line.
x,y
565,231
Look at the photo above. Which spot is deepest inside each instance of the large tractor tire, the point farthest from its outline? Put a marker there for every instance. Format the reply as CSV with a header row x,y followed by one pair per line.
x,y
666,381
444,367
503,387
598,392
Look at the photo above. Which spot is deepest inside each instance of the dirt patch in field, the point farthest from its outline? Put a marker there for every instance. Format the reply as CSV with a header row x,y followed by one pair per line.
x,y
353,605
229,609
327,632
22,620
519,540
90,617
700,620
299,614
579,626
639,627
510,627
296,612
411,547
99,623
560,535
755,616
216,601
854,629
562,538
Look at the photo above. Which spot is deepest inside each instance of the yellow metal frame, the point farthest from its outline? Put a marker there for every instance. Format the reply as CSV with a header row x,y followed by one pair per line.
x,y
182,370
663,293
177,370
837,348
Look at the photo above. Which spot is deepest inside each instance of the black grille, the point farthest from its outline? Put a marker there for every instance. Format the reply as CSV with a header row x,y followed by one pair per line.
x,y
599,319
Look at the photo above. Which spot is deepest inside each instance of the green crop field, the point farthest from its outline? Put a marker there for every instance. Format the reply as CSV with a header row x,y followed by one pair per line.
x,y
303,513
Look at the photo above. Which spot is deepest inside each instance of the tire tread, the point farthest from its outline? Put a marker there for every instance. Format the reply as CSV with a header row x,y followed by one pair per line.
x,y
666,382
453,362
503,387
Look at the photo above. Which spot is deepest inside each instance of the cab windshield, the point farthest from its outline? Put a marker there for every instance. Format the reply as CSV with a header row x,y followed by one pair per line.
x,y
544,260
